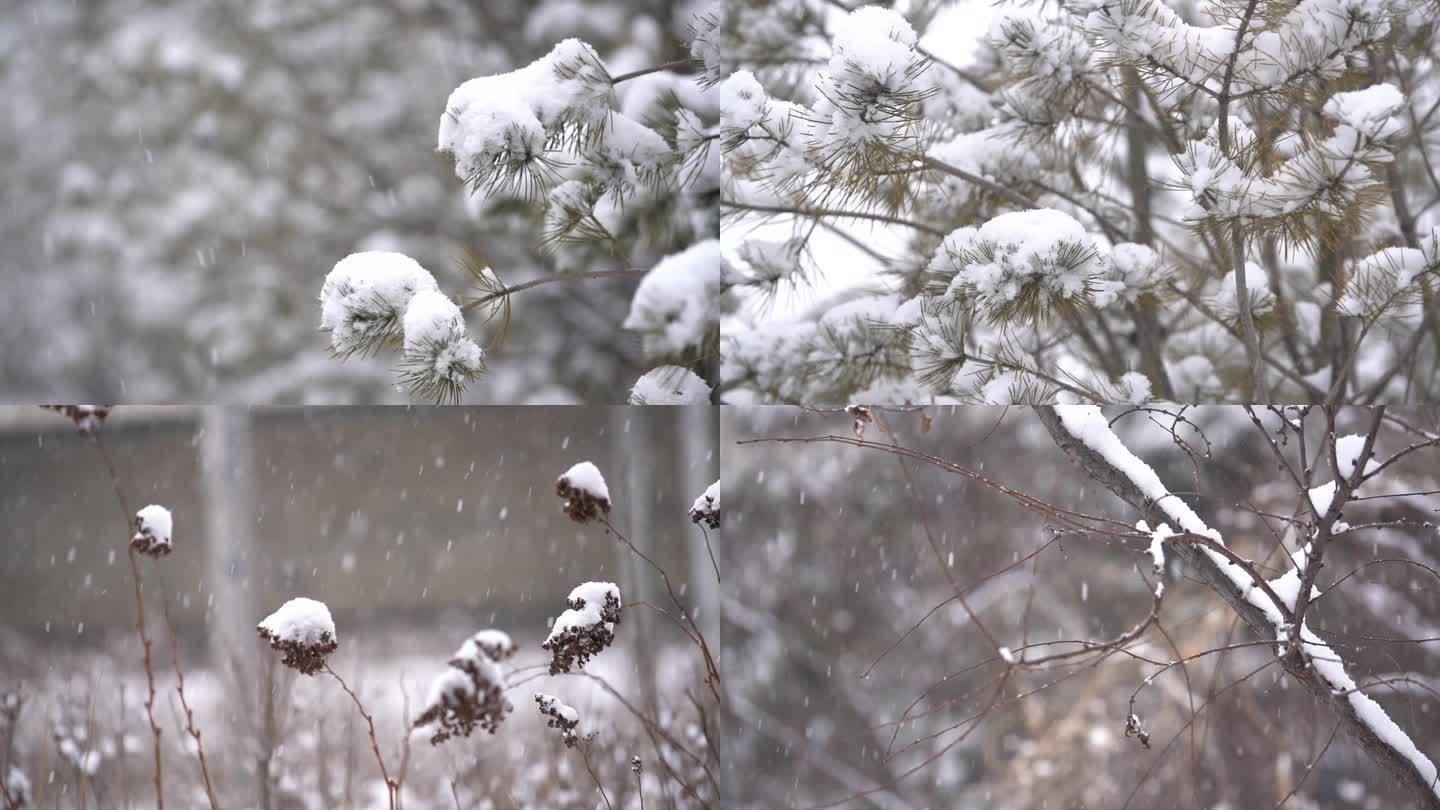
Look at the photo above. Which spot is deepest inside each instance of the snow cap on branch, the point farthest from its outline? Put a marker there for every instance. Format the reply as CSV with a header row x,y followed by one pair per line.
x,y
303,632
706,508
153,526
583,489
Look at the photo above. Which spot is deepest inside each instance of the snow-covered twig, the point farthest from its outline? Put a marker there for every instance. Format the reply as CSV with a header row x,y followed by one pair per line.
x,y
1086,438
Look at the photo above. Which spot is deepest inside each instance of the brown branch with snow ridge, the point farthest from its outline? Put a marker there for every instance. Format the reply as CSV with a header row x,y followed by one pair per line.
x,y
1383,752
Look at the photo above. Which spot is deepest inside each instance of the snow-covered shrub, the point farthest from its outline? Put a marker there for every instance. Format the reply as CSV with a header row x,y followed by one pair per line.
x,y
470,693
706,508
1087,192
303,632
586,628
153,526
622,170
585,496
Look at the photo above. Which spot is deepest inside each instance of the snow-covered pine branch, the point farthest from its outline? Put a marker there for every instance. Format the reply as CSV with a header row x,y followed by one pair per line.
x,y
621,173
1113,199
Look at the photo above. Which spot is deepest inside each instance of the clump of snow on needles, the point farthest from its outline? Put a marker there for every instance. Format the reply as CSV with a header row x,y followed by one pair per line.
x,y
669,385
1018,251
435,337
873,42
493,120
674,306
365,296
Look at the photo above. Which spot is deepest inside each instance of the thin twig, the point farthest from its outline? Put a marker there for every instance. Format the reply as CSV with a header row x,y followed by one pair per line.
x,y
635,74
551,279
190,727
390,785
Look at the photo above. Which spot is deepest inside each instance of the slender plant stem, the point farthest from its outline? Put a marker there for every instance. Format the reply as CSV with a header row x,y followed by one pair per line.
x,y
585,757
149,678
139,620
374,741
713,680
190,727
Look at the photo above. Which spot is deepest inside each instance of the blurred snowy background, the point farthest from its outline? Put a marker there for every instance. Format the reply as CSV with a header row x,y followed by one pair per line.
x,y
807,726
179,177
417,526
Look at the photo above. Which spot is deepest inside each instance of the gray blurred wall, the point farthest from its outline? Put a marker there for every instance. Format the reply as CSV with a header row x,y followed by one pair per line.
x,y
388,514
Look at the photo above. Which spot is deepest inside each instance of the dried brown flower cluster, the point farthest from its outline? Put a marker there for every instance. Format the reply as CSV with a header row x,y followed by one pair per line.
x,y
147,542
706,511
495,643
470,694
87,418
559,716
306,658
582,503
586,629
303,632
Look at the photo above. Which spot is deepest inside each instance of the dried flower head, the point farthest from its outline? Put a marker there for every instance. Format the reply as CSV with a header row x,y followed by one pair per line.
x,y
470,693
304,632
587,628
706,508
1135,728
87,418
584,491
635,765
560,716
495,643
153,526
863,416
